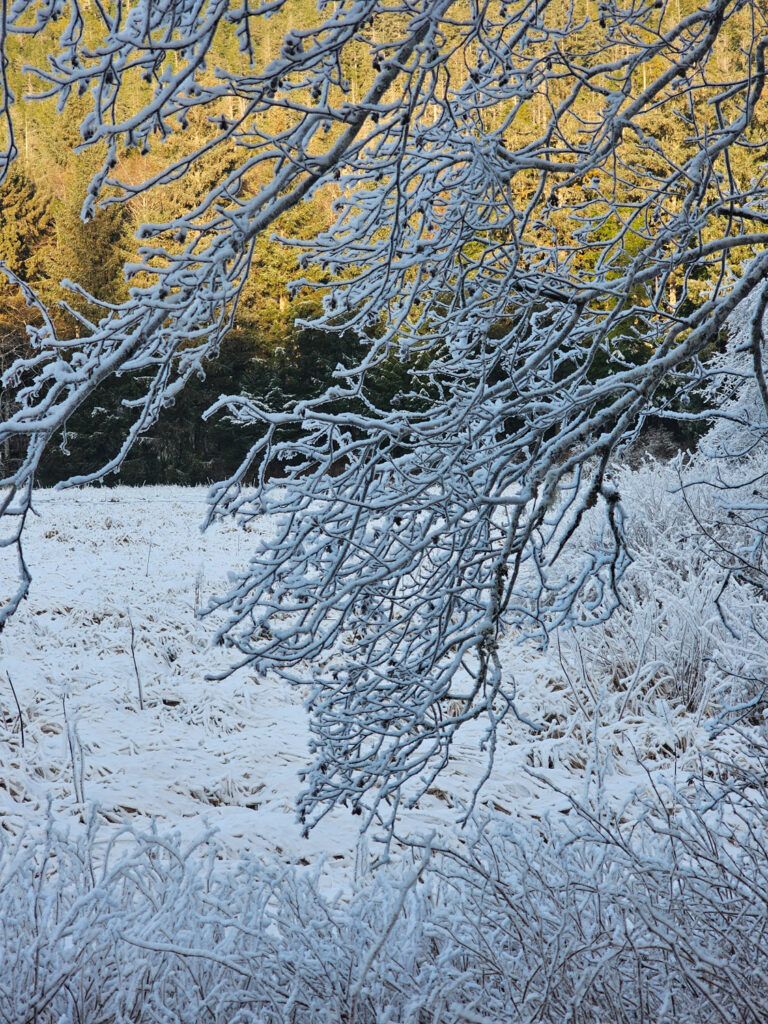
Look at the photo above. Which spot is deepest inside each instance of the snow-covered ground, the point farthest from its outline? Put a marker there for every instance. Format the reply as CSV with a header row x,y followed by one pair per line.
x,y
119,575
558,896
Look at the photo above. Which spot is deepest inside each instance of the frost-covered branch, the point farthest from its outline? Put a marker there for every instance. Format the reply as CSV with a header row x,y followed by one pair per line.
x,y
548,218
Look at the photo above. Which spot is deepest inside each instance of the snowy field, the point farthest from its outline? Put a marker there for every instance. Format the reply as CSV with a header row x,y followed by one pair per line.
x,y
119,575
593,884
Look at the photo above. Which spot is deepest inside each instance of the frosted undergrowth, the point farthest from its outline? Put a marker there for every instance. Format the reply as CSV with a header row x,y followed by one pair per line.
x,y
663,921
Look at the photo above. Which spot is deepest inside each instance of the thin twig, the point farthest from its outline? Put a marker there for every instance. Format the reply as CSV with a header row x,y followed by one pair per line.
x,y
406,888
77,777
135,666
18,706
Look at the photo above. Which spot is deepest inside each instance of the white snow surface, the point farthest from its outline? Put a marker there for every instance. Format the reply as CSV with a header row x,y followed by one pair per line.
x,y
225,754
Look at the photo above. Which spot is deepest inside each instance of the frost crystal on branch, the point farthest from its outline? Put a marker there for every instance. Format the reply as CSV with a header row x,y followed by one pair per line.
x,y
547,216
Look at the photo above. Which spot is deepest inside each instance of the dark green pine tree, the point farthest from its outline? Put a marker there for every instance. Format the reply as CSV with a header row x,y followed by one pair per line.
x,y
26,226
92,254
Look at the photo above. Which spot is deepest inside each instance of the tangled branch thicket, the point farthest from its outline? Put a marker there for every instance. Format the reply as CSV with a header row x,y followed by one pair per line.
x,y
664,919
547,212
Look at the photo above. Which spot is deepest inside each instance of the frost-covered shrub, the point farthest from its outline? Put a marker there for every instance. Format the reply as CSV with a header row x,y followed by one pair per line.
x,y
659,641
692,626
661,919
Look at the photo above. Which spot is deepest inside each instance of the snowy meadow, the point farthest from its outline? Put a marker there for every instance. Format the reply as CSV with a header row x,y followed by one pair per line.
x,y
153,868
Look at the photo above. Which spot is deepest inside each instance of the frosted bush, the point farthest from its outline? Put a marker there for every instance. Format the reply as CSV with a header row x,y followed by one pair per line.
x,y
661,919
691,628
693,622
658,640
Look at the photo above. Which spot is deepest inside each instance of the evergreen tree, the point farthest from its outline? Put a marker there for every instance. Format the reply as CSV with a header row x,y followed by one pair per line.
x,y
90,252
25,227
